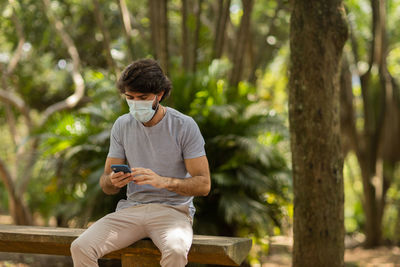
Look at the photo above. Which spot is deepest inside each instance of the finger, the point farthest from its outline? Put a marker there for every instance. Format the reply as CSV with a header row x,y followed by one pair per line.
x,y
119,177
139,171
139,179
121,183
119,180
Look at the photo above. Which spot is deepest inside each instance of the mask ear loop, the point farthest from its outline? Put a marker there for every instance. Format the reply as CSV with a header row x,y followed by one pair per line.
x,y
156,109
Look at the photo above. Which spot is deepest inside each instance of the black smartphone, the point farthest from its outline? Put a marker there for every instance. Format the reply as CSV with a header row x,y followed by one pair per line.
x,y
120,168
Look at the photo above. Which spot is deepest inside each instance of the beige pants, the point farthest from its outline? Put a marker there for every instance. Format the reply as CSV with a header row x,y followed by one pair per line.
x,y
169,227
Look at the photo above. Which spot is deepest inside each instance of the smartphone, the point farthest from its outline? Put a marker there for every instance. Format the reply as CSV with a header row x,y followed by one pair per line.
x,y
120,168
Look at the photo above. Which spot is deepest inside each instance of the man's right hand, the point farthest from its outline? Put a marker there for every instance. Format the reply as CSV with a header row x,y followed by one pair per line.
x,y
120,179
111,182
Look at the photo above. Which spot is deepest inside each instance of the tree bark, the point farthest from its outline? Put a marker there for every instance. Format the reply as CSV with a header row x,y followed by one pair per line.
x,y
318,31
241,42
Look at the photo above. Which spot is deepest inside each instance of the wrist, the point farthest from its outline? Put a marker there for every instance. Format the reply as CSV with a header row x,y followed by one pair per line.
x,y
169,183
107,181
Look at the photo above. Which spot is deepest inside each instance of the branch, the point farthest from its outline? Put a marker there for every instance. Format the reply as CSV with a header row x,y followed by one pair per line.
x,y
14,100
73,99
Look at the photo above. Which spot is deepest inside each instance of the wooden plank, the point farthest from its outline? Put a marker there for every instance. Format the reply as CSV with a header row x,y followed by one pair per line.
x,y
132,260
49,240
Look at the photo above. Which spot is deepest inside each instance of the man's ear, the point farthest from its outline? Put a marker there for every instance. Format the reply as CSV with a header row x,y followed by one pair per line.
x,y
160,95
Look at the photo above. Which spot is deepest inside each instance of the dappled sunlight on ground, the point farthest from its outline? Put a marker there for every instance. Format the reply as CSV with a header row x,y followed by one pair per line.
x,y
382,256
354,257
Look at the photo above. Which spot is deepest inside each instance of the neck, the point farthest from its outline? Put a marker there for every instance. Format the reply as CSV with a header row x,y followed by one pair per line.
x,y
160,112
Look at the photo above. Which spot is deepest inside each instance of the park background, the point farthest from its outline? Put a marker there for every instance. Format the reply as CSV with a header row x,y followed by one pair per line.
x,y
229,63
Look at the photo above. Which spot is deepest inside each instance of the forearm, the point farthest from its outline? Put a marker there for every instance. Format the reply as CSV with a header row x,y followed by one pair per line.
x,y
106,185
193,186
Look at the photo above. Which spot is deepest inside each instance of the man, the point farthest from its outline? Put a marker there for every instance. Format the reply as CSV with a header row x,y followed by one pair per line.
x,y
165,151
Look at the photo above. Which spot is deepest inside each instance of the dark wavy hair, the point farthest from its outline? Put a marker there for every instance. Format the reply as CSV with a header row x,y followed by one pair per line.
x,y
144,76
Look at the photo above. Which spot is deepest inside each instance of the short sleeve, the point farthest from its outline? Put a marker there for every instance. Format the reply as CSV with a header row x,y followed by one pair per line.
x,y
116,148
192,141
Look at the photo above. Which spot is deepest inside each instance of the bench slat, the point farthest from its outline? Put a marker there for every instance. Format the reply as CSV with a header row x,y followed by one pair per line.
x,y
57,240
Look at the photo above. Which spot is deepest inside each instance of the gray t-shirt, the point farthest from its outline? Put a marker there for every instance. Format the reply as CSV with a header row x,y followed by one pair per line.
x,y
161,148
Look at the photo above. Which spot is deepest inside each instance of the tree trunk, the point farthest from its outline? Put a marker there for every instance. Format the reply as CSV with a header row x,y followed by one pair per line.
x,y
317,35
159,31
185,35
196,36
17,207
377,144
128,28
220,27
241,42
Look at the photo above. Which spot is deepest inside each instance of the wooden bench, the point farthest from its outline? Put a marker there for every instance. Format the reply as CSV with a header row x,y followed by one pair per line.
x,y
230,251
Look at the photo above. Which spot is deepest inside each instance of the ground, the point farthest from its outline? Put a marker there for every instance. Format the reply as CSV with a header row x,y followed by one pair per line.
x,y
378,257
355,254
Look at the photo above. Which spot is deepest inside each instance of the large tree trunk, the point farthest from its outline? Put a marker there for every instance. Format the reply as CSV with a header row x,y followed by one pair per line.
x,y
318,33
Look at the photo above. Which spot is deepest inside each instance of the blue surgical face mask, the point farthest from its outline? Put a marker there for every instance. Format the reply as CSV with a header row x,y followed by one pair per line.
x,y
142,110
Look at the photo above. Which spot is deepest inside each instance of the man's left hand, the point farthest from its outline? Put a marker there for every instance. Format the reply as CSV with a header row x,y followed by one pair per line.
x,y
142,176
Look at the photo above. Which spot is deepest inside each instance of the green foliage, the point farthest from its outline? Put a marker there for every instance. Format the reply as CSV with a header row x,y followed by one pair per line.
x,y
74,149
250,177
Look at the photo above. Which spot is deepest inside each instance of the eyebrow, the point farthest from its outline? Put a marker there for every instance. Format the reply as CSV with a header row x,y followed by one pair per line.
x,y
142,95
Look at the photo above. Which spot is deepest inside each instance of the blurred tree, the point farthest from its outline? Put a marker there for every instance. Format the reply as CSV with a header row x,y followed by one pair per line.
x,y
222,16
127,27
241,43
17,175
318,32
158,13
106,36
373,130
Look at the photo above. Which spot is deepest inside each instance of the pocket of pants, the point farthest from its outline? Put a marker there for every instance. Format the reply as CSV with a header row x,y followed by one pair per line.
x,y
183,209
